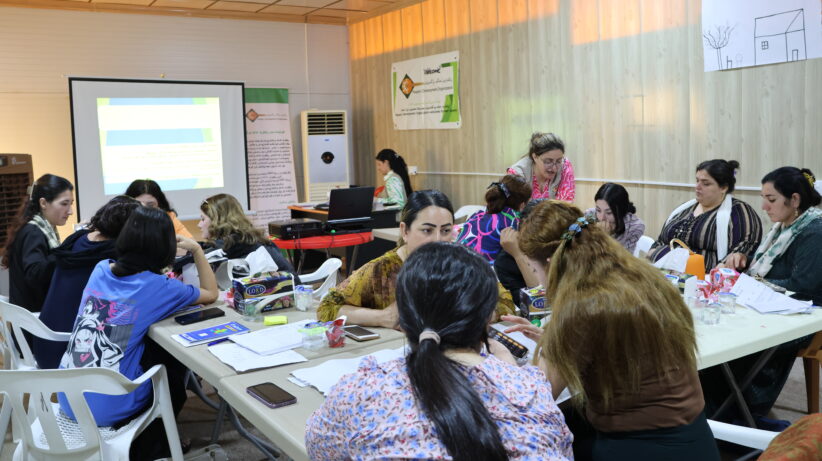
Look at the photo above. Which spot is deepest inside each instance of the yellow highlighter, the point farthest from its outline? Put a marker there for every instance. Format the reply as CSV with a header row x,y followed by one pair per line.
x,y
275,320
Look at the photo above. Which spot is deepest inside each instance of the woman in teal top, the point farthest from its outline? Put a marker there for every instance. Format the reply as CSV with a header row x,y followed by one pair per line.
x,y
395,173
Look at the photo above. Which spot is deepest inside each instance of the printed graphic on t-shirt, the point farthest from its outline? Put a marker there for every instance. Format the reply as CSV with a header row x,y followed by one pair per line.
x,y
96,341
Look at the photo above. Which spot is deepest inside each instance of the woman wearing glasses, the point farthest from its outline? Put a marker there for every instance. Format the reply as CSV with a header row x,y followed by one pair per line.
x,y
551,174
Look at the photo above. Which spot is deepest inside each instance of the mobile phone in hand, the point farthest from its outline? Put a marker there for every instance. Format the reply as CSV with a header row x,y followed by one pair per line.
x,y
199,316
517,350
272,395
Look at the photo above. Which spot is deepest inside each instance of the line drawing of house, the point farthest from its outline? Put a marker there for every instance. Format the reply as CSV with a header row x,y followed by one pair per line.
x,y
780,37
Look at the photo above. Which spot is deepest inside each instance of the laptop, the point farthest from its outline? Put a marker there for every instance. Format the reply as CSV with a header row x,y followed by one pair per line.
x,y
349,210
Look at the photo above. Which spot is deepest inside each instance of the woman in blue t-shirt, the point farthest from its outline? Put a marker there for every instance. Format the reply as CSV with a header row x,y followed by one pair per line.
x,y
120,302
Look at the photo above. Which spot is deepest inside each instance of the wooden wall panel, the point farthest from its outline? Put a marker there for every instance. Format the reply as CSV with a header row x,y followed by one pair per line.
x,y
621,81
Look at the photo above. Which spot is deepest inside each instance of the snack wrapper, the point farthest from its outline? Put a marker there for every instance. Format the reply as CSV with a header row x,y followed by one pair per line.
x,y
723,279
336,334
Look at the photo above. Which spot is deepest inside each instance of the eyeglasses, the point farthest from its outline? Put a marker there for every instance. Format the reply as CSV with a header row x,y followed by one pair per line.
x,y
555,163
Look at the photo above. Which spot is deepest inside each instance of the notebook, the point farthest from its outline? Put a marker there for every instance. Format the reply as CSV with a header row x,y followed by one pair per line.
x,y
192,338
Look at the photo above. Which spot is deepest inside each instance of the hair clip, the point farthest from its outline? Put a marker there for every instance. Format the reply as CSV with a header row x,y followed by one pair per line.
x,y
575,228
809,177
502,187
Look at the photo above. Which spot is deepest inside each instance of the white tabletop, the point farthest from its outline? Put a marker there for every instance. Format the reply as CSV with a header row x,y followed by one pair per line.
x,y
387,233
747,331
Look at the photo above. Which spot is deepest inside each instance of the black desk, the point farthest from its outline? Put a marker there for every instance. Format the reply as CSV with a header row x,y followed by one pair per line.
x,y
367,251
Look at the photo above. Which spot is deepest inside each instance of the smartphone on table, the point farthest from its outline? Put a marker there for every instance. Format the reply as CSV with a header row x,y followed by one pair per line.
x,y
517,350
199,316
358,333
272,395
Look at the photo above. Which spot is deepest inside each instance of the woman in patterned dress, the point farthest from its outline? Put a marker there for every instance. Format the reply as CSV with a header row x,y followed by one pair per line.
x,y
546,168
449,398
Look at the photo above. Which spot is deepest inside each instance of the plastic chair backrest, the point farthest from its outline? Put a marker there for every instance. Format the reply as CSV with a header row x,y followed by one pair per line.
x,y
326,272
466,211
643,245
17,319
73,383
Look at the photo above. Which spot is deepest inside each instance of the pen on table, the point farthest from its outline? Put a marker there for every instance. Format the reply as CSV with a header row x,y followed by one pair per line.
x,y
217,341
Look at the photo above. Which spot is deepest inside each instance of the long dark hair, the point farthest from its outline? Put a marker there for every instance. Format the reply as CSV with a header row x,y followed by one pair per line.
x,y
47,187
790,180
397,164
617,199
139,187
111,217
511,191
448,288
723,171
146,243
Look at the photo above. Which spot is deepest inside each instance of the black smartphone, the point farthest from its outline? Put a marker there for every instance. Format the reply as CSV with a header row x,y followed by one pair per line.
x,y
517,350
271,395
199,316
358,333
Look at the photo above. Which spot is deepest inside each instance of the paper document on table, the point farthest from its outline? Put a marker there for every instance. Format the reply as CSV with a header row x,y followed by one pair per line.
x,y
758,296
273,339
326,375
242,359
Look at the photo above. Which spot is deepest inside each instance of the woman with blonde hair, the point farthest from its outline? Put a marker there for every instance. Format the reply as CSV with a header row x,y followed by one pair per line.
x,y
620,337
223,224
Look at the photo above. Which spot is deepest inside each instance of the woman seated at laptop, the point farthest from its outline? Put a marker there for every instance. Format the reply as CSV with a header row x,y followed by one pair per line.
x,y
367,296
395,174
448,399
224,225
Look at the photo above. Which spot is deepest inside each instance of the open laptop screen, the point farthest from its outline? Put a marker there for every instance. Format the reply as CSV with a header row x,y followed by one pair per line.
x,y
350,205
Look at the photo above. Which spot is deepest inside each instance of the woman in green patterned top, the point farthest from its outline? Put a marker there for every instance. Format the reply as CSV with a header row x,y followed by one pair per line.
x,y
367,296
395,173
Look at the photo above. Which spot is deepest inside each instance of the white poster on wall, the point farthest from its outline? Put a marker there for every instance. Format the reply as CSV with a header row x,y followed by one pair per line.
x,y
744,33
271,183
425,92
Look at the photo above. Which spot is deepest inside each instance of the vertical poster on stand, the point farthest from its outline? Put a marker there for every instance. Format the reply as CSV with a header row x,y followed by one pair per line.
x,y
744,33
425,92
271,183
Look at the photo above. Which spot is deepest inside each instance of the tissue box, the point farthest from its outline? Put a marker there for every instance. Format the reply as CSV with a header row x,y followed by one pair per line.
x,y
266,291
704,289
723,279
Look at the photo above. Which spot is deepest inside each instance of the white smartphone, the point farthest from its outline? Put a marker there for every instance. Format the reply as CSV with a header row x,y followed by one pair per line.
x,y
358,333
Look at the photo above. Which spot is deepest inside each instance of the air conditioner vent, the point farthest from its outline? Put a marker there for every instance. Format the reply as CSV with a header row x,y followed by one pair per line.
x,y
326,123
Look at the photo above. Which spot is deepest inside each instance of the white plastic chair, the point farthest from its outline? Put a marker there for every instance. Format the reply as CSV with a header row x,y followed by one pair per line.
x,y
15,319
49,434
328,273
643,245
466,211
741,435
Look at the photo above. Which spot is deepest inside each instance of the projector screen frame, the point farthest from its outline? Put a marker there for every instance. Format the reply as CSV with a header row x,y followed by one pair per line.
x,y
72,79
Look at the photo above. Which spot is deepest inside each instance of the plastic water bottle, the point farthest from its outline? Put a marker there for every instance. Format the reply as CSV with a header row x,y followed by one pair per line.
x,y
304,297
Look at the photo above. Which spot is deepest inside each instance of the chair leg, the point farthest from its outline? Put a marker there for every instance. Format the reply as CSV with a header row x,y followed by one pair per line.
x,y
812,383
5,419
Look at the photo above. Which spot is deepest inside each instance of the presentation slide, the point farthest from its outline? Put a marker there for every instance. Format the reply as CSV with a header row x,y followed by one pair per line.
x,y
174,141
188,136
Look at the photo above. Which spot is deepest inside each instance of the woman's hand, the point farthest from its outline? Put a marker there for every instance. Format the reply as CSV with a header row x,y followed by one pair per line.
x,y
527,328
187,244
736,261
501,352
508,239
389,317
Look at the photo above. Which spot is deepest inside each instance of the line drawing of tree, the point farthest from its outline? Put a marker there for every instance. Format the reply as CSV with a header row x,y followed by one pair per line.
x,y
719,39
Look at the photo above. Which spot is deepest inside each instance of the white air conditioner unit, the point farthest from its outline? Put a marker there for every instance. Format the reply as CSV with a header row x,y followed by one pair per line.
x,y
325,152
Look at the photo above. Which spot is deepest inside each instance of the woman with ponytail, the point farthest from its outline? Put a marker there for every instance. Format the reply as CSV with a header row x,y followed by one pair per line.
x,y
504,201
33,237
620,337
395,174
449,398
122,299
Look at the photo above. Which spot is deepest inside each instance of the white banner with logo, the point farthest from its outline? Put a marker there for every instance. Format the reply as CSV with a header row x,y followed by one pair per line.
x,y
425,92
271,183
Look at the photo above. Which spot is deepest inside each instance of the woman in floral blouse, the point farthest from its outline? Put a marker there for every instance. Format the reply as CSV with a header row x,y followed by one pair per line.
x,y
448,398
367,296
546,167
